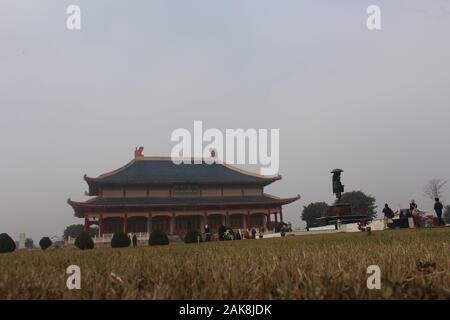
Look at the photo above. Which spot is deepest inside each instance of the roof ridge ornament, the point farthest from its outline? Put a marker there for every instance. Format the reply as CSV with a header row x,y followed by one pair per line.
x,y
213,152
139,152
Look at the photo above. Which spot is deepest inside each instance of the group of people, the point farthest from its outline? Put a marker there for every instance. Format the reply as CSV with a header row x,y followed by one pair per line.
x,y
239,235
413,212
248,234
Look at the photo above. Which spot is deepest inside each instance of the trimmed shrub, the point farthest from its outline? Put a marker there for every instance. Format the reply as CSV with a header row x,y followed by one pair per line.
x,y
229,234
120,240
84,241
45,243
282,227
158,237
225,233
193,236
7,244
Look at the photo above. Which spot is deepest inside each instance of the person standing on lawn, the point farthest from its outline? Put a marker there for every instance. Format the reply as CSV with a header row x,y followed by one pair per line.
x,y
207,234
412,206
388,214
438,209
134,240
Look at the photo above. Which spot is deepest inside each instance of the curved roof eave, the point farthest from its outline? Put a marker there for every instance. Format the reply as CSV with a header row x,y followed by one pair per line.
x,y
273,200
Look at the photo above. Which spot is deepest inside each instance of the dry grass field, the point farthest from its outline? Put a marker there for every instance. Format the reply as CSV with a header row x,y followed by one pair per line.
x,y
415,264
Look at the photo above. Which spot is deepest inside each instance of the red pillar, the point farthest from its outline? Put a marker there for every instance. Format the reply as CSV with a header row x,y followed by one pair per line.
x,y
172,224
223,219
281,214
149,223
100,225
276,216
125,222
86,223
248,220
268,224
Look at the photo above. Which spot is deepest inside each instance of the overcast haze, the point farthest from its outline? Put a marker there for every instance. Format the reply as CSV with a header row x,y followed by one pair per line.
x,y
374,103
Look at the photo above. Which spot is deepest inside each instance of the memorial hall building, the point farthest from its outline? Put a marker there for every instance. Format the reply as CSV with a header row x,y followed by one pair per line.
x,y
155,193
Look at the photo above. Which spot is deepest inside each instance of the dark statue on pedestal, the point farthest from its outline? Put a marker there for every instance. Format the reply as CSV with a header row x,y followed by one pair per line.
x,y
338,187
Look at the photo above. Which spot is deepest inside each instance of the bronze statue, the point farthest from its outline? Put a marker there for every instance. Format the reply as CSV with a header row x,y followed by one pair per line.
x,y
338,187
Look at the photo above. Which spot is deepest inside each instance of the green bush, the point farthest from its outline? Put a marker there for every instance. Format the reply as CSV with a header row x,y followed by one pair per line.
x,y
120,240
158,237
226,233
84,241
229,234
45,243
282,227
7,244
192,236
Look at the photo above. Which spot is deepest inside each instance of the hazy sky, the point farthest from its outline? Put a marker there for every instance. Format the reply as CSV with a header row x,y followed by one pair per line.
x,y
374,103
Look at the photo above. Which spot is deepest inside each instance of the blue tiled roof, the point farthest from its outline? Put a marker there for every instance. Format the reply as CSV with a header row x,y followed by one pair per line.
x,y
155,170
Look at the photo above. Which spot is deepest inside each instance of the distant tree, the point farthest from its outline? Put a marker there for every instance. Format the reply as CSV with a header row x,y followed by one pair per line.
x,y
434,187
45,243
75,230
313,211
447,214
361,203
282,227
29,243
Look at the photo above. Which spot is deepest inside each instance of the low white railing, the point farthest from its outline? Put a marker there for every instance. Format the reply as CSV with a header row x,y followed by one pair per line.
x,y
106,238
